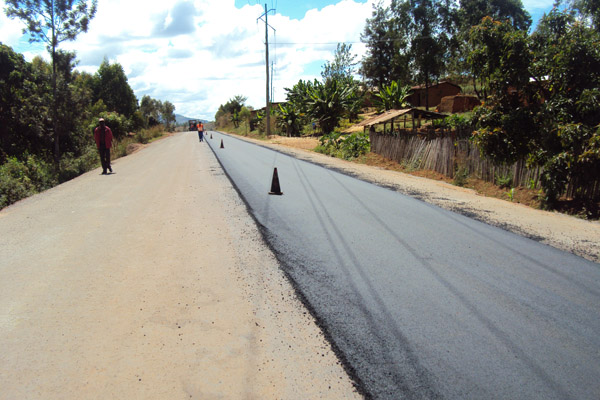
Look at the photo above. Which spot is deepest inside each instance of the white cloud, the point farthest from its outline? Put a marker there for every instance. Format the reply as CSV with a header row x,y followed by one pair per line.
x,y
200,53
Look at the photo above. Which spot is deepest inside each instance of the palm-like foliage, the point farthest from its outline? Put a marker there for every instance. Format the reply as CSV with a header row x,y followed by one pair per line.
x,y
289,119
392,96
328,101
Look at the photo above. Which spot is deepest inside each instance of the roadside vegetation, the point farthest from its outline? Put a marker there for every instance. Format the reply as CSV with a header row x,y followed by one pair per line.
x,y
539,90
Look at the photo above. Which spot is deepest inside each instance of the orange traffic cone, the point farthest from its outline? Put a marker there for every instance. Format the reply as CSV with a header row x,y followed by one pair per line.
x,y
275,189
222,144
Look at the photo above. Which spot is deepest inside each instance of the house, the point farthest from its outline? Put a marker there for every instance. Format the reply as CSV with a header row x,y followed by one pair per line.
x,y
436,92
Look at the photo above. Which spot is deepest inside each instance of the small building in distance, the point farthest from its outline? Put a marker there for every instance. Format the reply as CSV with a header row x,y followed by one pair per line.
x,y
436,92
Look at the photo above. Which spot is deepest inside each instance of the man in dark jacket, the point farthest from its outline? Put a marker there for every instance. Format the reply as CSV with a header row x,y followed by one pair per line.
x,y
103,137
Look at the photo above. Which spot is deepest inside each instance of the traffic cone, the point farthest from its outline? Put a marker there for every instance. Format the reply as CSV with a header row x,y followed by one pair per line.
x,y
222,144
211,135
275,189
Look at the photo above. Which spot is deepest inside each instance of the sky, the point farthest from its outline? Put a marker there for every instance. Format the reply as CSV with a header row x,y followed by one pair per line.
x,y
198,54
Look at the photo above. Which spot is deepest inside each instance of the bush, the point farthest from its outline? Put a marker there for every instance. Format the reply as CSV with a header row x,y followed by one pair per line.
x,y
461,176
118,124
14,182
348,148
20,179
504,181
355,146
71,167
461,123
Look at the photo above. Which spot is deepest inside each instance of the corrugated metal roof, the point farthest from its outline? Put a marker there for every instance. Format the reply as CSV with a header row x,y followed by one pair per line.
x,y
386,116
391,114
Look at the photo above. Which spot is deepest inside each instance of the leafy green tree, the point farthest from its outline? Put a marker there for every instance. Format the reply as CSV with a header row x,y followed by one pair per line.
x,y
589,9
500,57
150,109
544,101
168,114
471,12
409,40
230,110
53,22
428,42
111,85
386,39
24,113
343,65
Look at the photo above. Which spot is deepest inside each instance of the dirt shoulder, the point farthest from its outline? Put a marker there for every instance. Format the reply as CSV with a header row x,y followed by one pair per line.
x,y
564,232
152,283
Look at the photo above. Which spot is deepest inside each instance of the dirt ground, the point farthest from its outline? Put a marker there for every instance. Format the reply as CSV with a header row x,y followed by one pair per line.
x,y
480,200
152,283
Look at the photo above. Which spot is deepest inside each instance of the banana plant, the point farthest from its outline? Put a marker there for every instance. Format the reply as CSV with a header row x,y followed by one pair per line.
x,y
392,96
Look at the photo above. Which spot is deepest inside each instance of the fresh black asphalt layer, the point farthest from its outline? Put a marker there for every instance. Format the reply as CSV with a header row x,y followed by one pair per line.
x,y
420,302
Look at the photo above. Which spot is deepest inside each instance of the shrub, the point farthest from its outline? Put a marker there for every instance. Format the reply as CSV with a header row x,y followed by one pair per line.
x,y
355,146
349,147
504,181
14,182
71,166
461,176
118,124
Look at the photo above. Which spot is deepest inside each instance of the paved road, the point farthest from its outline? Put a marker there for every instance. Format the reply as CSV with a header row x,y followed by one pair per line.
x,y
421,302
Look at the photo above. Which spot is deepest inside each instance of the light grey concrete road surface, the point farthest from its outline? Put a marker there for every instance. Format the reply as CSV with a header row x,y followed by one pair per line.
x,y
152,283
420,302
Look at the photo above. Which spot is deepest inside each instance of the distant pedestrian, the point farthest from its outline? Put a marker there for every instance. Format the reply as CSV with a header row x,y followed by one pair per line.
x,y
200,131
103,137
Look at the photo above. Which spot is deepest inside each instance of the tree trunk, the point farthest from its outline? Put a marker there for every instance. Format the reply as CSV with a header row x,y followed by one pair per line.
x,y
54,99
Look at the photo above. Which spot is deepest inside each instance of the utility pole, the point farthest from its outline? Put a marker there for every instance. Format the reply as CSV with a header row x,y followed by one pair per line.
x,y
266,15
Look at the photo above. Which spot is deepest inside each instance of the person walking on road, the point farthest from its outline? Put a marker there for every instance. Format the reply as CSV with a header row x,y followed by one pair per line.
x,y
103,137
200,131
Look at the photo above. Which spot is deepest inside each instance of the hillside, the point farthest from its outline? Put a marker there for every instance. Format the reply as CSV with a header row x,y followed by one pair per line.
x,y
180,119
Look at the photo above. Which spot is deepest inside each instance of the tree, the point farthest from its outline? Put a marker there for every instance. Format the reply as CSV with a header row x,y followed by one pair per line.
x,y
52,22
150,109
230,111
112,86
500,57
428,42
471,12
544,102
343,64
24,111
386,39
167,114
589,9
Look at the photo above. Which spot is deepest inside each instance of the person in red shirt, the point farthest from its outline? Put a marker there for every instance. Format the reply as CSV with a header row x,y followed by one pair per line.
x,y
103,137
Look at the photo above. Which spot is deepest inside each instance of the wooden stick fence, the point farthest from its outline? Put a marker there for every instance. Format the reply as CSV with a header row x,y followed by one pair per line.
x,y
446,152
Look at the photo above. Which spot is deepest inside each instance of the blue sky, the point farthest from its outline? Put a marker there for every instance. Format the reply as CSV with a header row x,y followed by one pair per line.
x,y
198,54
291,8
